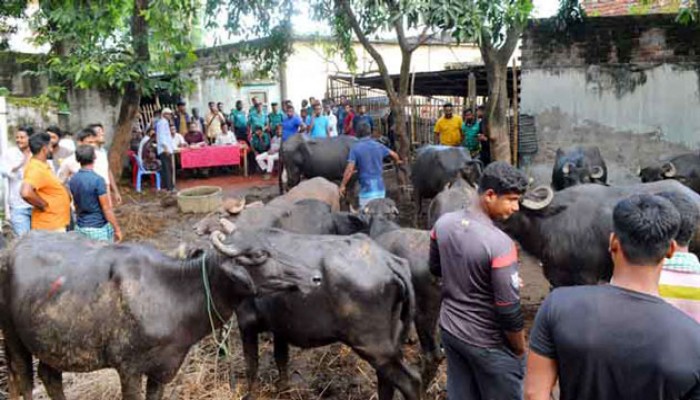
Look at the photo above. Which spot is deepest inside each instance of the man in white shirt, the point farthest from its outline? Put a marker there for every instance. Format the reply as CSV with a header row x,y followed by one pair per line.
x,y
102,164
332,119
70,165
13,169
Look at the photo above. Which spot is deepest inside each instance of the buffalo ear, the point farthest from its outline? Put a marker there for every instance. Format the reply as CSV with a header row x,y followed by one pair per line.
x,y
243,283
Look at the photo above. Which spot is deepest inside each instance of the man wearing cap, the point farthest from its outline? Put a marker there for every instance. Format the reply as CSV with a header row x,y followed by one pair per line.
x,y
165,148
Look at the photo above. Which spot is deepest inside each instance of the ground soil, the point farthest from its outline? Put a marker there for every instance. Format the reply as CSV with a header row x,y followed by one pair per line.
x,y
332,372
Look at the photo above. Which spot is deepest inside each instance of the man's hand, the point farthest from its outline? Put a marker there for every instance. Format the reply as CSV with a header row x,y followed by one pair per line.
x,y
117,198
342,190
482,137
118,235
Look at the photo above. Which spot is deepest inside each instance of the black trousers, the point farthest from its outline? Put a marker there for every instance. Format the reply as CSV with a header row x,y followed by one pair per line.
x,y
166,171
477,373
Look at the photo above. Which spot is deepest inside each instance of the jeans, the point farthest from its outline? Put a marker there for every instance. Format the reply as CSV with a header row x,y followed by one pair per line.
x,y
478,373
21,220
166,170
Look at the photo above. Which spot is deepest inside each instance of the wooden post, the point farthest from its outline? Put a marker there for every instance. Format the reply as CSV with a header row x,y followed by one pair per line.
x,y
413,112
516,110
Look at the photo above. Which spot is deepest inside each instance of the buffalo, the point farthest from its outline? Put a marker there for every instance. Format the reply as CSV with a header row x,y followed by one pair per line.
x,y
436,166
684,168
577,165
569,231
455,196
366,301
145,309
413,245
310,158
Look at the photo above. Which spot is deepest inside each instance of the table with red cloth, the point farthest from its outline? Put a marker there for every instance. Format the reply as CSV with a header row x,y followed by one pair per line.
x,y
213,156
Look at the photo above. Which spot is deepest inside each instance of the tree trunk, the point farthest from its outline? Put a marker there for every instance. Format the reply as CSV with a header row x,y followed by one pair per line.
x,y
131,99
497,109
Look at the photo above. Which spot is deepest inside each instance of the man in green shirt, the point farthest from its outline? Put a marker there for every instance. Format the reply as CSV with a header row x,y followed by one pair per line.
x,y
275,118
470,131
239,121
257,118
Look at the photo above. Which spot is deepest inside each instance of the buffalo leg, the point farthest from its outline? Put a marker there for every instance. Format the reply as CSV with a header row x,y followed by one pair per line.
x,y
53,381
426,327
282,361
131,385
385,388
154,389
20,368
397,374
250,352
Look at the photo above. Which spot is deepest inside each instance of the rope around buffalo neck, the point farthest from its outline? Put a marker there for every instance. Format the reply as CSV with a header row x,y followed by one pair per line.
x,y
211,306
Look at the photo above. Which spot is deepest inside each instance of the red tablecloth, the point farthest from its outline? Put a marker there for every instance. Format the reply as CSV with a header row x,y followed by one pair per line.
x,y
210,156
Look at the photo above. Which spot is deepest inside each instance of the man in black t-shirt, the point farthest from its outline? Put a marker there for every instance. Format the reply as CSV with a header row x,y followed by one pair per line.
x,y
619,341
481,321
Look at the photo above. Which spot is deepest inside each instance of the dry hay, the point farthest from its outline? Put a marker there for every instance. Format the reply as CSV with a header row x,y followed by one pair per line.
x,y
138,223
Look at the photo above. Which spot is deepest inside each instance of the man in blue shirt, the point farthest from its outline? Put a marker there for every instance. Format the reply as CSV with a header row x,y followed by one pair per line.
x,y
290,124
165,148
95,217
341,113
367,156
319,127
362,118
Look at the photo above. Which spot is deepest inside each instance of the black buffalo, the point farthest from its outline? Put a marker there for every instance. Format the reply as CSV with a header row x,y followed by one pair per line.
x,y
413,245
455,196
310,158
684,168
577,165
436,166
80,306
366,301
569,230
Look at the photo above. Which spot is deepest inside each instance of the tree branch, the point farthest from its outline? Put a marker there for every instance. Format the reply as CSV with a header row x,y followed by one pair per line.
x,y
354,23
422,38
512,37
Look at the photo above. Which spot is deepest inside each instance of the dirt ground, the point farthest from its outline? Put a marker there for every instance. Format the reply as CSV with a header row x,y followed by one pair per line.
x,y
332,372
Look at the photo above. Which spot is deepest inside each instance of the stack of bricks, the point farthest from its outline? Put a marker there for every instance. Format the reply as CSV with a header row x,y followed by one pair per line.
x,y
606,8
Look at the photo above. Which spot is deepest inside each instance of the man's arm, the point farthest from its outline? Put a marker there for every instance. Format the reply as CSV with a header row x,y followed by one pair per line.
x,y
110,217
349,170
504,268
395,156
30,196
541,377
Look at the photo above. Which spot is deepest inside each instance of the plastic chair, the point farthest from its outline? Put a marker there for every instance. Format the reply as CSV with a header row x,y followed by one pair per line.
x,y
141,171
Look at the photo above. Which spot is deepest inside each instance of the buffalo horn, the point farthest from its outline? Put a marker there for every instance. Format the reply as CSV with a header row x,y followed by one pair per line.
x,y
539,204
669,170
353,210
217,238
566,169
597,172
639,171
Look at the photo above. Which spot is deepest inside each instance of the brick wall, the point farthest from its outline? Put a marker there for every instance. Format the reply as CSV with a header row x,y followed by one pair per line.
x,y
641,40
627,7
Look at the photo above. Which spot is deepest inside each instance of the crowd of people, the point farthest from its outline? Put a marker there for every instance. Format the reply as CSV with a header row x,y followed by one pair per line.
x,y
56,184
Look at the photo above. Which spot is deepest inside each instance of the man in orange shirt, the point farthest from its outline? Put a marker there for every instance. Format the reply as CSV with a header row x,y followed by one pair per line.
x,y
43,190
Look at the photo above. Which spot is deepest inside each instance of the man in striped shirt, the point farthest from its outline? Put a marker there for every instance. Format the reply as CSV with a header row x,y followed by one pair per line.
x,y
680,276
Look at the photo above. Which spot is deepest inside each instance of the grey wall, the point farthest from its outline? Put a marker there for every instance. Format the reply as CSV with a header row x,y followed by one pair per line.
x,y
629,85
92,106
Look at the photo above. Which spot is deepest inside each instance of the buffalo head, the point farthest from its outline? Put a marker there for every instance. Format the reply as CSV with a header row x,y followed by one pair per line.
x,y
471,171
385,208
254,266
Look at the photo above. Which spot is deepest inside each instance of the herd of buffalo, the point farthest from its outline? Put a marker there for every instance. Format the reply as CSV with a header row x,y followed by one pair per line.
x,y
297,267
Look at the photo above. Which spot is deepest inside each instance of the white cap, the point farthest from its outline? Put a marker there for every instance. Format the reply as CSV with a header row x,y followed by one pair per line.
x,y
166,110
